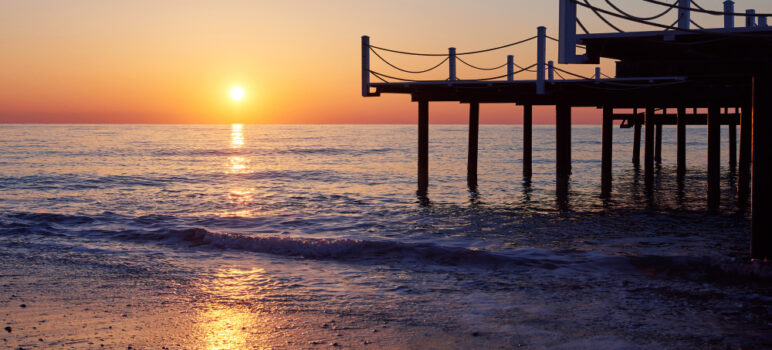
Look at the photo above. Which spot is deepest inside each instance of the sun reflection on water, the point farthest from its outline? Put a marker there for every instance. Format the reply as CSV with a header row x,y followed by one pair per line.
x,y
232,319
237,136
237,164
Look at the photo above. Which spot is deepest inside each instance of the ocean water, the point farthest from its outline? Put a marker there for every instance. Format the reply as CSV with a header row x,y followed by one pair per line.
x,y
324,220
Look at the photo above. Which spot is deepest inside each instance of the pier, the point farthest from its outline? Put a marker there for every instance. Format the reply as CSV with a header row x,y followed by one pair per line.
x,y
674,75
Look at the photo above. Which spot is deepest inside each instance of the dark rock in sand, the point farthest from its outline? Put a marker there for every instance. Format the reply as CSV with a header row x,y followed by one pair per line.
x,y
475,334
8,329
23,305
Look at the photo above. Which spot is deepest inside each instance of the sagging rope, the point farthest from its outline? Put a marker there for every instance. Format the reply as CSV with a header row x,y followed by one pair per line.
x,y
458,53
670,8
405,70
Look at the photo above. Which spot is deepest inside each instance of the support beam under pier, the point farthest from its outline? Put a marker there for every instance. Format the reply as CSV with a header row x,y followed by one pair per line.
x,y
761,220
563,147
637,144
474,127
714,158
423,147
606,151
527,140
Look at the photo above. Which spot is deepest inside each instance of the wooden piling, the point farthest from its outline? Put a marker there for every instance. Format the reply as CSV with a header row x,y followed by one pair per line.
x,y
563,147
761,145
714,157
423,147
648,162
658,143
527,140
744,170
732,148
636,141
606,150
681,142
474,126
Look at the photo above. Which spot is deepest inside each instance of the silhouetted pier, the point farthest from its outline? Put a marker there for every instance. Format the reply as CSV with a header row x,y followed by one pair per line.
x,y
677,75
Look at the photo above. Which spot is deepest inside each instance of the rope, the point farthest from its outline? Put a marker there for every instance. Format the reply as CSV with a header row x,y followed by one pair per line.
x,y
381,76
582,26
505,75
697,5
670,27
405,70
552,38
710,12
560,75
606,76
457,54
695,24
574,74
595,11
480,68
670,8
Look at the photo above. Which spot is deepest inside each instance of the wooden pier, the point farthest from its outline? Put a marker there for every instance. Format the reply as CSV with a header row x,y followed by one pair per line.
x,y
676,75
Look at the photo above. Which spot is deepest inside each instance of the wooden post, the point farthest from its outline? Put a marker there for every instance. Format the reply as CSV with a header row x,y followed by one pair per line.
x,y
541,58
728,19
714,157
423,147
551,72
365,66
744,171
761,220
681,142
474,126
527,140
684,14
510,68
732,147
648,162
750,18
606,149
636,140
452,63
563,147
658,144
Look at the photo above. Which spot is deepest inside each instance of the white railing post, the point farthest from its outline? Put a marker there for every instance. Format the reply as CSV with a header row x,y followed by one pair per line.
x,y
750,19
551,72
597,74
365,65
728,19
510,68
541,58
684,14
452,63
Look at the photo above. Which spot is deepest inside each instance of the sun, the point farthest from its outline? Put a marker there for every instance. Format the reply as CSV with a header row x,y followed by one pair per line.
x,y
237,93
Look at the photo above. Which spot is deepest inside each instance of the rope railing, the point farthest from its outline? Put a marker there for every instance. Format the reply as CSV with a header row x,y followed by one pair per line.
x,y
669,8
458,53
406,70
480,68
381,76
710,12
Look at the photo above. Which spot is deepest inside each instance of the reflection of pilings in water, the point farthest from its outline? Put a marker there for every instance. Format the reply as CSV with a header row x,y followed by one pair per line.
x,y
606,151
423,147
714,157
527,140
474,127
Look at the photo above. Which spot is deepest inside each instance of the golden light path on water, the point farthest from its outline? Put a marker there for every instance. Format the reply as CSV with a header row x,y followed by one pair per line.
x,y
240,198
226,322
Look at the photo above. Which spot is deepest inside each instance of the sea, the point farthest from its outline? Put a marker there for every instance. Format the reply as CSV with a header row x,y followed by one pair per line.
x,y
320,225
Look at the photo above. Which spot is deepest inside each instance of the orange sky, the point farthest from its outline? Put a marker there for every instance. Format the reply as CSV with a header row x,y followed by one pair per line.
x,y
174,61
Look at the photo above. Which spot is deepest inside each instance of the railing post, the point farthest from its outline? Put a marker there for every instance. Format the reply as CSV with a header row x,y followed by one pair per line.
x,y
541,57
452,63
684,14
510,68
750,19
365,65
728,19
762,21
567,33
551,72
597,74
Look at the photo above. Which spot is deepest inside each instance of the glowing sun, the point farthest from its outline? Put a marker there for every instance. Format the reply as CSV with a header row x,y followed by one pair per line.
x,y
237,93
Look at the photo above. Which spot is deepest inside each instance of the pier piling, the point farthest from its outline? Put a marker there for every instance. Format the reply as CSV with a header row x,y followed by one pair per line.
x,y
474,127
423,147
732,148
563,147
606,151
648,161
636,140
744,170
714,157
761,147
658,142
527,140
681,142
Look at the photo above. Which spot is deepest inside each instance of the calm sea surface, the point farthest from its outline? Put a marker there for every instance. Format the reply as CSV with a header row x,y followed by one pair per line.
x,y
326,218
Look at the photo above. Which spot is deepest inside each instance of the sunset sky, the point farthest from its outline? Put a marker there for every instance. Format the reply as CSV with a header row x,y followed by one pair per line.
x,y
175,61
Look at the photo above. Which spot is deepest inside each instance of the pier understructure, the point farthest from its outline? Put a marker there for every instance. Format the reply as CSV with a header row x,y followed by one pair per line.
x,y
679,74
